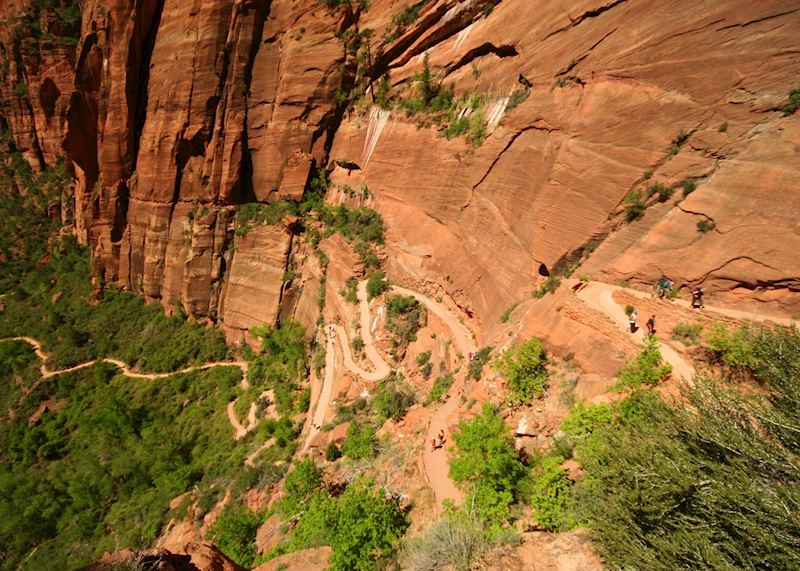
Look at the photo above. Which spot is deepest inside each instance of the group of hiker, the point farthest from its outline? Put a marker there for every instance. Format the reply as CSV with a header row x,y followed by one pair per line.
x,y
664,288
438,441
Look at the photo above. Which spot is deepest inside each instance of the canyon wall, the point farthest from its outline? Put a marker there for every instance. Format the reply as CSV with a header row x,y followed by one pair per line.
x,y
173,113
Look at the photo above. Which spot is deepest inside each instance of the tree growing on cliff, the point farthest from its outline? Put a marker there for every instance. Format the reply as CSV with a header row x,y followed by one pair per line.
x,y
486,464
525,370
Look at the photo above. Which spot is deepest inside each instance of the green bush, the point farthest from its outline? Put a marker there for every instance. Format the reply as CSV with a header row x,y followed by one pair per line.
x,y
376,284
475,367
733,348
723,127
663,191
486,464
332,452
361,526
507,313
403,319
687,333
584,419
548,286
704,226
525,370
234,532
713,487
439,388
634,205
360,443
349,290
647,368
392,399
423,358
793,103
551,495
300,485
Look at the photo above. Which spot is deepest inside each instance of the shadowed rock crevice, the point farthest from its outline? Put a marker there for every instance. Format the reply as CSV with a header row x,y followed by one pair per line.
x,y
501,51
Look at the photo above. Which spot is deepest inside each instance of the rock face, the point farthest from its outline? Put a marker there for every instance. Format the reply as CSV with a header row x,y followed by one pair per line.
x,y
194,556
172,113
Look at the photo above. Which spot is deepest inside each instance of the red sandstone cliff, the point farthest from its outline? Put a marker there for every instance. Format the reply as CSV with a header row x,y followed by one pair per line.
x,y
171,113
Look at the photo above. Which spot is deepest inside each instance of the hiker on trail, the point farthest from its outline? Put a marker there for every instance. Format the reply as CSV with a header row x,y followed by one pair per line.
x,y
663,287
441,438
434,445
697,297
632,320
651,325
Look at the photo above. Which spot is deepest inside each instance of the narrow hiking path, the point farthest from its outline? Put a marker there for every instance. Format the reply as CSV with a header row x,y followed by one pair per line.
x,y
601,296
436,462
239,430
327,390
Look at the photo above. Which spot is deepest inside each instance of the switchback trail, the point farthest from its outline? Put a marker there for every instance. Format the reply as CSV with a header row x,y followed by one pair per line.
x,y
601,296
46,373
436,462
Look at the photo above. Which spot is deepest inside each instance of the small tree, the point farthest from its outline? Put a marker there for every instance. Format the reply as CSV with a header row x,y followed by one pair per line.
x,y
525,369
647,368
486,463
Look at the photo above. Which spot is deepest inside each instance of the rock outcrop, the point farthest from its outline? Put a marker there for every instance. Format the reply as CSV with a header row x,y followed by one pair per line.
x,y
172,113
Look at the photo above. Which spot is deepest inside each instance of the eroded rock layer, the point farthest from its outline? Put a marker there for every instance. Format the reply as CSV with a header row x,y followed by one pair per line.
x,y
171,113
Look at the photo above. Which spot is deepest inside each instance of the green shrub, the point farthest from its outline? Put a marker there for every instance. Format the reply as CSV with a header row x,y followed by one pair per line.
x,y
634,205
358,344
376,284
507,313
647,368
477,129
300,485
689,186
713,487
548,286
403,319
705,225
234,532
457,541
392,399
360,443
647,175
423,358
723,127
475,367
457,128
687,333
361,525
486,464
733,348
525,370
584,419
663,191
349,290
439,388
793,103
518,97
332,452
551,495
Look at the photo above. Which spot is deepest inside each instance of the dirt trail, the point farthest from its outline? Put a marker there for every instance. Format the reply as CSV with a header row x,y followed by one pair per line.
x,y
327,389
729,312
437,462
601,296
382,368
240,430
